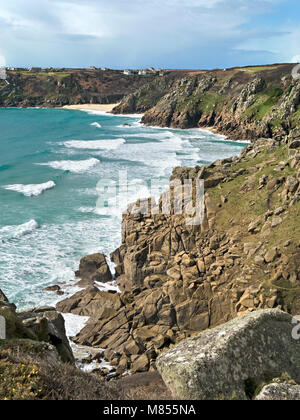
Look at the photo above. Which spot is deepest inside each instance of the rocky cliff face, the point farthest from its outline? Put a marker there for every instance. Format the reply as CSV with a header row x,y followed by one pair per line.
x,y
67,87
149,95
243,103
179,279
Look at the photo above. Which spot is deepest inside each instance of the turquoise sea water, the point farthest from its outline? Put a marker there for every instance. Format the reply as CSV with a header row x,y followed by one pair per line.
x,y
51,161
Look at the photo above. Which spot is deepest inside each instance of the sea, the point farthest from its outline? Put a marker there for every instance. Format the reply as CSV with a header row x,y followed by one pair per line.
x,y
65,178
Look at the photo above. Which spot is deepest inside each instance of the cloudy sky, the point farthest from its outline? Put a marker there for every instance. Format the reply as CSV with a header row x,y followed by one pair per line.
x,y
143,33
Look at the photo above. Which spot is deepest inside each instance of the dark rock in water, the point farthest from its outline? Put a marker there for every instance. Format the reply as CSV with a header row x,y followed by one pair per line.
x,y
126,125
54,288
93,268
220,363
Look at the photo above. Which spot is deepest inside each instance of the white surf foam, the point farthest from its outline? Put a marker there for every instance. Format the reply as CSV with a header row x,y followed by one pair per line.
x,y
31,190
74,324
110,144
76,166
105,113
96,124
14,232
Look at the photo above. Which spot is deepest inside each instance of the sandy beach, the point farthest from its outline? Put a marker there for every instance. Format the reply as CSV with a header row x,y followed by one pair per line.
x,y
93,107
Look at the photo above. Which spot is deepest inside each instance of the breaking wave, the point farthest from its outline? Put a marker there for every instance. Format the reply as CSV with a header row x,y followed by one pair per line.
x,y
31,190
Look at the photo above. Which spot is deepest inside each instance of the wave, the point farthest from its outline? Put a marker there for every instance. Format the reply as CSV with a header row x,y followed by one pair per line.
x,y
5,167
75,166
95,144
109,114
14,232
95,124
31,190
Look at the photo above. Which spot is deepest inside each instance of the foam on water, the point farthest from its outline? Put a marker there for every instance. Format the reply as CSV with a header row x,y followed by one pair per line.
x,y
95,124
43,239
95,144
72,165
14,232
31,190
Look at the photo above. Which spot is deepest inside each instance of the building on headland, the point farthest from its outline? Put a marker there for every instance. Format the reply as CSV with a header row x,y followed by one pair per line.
x,y
36,69
93,68
142,72
128,72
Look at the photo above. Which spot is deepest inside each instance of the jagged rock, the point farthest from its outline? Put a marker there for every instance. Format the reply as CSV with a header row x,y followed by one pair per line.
x,y
279,392
93,268
3,298
218,363
91,302
48,325
140,364
271,255
42,329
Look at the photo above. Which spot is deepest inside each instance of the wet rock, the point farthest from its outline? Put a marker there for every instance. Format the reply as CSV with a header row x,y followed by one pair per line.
x,y
54,288
93,268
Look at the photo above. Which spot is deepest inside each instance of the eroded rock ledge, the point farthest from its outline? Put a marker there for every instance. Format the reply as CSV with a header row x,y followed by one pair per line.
x,y
178,280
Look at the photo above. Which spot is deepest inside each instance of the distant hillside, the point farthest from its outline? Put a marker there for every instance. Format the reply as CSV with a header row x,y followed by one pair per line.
x,y
68,87
243,103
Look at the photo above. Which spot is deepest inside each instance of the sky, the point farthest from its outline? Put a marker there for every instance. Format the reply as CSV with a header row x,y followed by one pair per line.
x,y
189,34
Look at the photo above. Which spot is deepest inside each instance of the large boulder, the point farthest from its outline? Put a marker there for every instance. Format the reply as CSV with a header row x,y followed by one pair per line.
x,y
93,268
220,363
91,302
279,392
48,326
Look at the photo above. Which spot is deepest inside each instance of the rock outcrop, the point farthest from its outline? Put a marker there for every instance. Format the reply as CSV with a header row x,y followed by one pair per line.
x,y
93,268
41,330
48,326
222,362
179,279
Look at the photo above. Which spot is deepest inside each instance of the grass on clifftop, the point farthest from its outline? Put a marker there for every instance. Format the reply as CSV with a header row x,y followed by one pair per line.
x,y
244,207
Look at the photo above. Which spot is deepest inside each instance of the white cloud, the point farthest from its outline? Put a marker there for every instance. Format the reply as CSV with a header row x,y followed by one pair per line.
x,y
132,33
295,59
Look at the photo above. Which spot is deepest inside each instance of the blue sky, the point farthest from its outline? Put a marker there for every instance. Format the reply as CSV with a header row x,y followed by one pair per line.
x,y
143,33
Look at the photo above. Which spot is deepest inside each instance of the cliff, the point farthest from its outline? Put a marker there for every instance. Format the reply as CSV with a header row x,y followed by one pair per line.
x,y
149,94
243,103
67,87
178,280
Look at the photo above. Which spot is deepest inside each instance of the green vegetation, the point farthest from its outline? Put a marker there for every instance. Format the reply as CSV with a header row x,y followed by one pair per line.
x,y
264,103
258,68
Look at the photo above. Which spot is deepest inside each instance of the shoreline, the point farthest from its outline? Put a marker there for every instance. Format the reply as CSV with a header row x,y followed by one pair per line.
x,y
91,107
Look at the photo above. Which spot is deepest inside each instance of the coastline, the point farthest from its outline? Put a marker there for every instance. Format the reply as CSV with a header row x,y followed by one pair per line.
x,y
92,107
